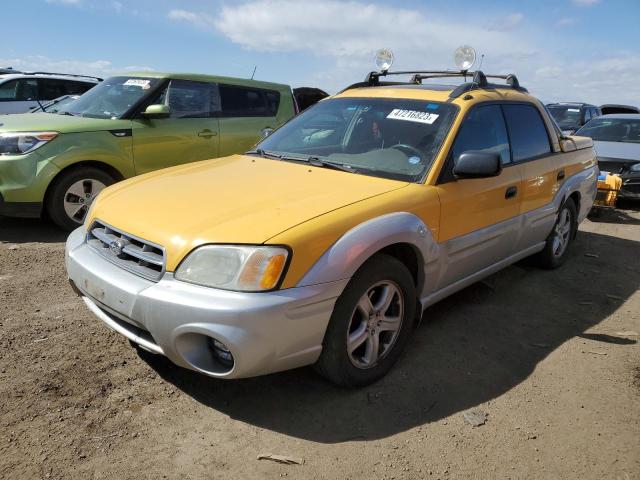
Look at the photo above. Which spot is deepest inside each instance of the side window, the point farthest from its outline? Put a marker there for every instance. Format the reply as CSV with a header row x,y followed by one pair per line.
x,y
50,88
8,91
19,90
587,115
76,88
239,101
529,137
483,129
188,99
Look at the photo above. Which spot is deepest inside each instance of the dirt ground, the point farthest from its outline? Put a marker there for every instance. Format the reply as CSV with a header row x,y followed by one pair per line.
x,y
551,357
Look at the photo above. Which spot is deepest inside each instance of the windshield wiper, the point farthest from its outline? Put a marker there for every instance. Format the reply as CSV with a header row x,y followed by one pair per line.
x,y
264,153
317,162
64,112
313,161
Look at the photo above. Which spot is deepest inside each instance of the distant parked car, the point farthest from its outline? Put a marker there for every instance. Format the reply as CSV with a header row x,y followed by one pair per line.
x,y
20,92
125,126
616,139
570,116
307,96
54,105
613,108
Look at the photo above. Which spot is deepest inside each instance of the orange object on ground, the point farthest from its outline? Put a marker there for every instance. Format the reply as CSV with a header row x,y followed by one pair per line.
x,y
608,188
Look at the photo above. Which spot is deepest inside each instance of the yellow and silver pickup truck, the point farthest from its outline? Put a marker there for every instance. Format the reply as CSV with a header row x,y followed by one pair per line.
x,y
324,244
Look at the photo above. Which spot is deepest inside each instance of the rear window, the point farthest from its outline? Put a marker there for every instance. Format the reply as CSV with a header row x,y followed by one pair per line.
x,y
528,134
237,101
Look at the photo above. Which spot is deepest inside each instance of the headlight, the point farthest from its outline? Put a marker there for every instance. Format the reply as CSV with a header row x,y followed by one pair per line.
x,y
20,143
234,267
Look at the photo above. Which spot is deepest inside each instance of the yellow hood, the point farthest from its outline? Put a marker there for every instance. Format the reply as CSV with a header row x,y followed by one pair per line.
x,y
237,199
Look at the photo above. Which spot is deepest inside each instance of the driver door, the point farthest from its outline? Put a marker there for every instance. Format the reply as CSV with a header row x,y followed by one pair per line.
x,y
478,219
189,134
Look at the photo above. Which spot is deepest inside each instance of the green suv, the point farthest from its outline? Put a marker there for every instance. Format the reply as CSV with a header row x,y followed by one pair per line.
x,y
126,126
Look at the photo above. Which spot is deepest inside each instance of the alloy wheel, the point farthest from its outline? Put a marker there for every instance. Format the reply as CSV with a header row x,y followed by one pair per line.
x,y
375,324
562,233
79,197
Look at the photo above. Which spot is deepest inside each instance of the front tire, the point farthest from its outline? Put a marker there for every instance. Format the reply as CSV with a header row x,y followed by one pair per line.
x,y
559,240
370,325
72,194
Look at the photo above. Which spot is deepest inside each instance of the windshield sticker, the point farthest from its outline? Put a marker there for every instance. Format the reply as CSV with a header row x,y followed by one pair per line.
x,y
432,106
414,160
573,109
138,82
413,116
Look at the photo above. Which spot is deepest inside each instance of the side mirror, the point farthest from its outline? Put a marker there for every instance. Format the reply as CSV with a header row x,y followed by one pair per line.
x,y
157,111
477,164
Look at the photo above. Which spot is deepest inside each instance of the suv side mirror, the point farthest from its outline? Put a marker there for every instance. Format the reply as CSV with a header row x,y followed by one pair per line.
x,y
477,164
157,111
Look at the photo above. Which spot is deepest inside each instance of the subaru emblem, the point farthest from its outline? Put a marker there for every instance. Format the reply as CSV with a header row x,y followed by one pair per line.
x,y
116,247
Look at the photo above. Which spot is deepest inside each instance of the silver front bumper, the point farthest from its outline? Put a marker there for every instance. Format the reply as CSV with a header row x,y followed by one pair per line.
x,y
265,332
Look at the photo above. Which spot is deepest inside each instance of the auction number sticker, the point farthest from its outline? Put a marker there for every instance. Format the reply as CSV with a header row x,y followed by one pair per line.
x,y
413,116
138,82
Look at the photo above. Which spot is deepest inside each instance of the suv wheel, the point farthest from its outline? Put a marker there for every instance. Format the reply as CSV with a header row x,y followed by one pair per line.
x,y
557,247
73,193
370,325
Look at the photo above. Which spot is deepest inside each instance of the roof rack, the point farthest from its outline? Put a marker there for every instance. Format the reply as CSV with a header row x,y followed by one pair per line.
x,y
479,80
62,75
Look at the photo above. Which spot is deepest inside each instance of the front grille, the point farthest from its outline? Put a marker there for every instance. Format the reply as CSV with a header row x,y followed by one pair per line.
x,y
127,251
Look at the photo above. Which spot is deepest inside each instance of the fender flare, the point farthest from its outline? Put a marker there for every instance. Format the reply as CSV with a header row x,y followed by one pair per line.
x,y
355,247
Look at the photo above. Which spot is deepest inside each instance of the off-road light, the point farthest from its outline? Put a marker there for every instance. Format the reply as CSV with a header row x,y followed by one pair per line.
x,y
464,57
384,59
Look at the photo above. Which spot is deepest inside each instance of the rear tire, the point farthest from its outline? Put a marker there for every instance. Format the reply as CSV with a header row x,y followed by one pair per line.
x,y
72,193
559,240
371,323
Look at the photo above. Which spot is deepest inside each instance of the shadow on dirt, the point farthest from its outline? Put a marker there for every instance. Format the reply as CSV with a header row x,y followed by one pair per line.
x,y
27,230
475,346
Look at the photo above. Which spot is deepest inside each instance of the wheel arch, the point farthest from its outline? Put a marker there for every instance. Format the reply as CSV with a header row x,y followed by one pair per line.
x,y
401,235
105,167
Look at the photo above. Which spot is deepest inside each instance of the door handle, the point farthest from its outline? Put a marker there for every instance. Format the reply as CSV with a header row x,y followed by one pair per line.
x,y
206,133
560,175
511,192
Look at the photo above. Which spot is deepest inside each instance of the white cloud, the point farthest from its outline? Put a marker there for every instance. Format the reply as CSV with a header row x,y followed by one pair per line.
x,y
585,3
200,20
506,23
41,63
345,34
565,22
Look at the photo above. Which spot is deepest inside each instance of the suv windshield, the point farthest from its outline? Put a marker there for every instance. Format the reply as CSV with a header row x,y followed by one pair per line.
x,y
391,138
605,129
112,98
567,117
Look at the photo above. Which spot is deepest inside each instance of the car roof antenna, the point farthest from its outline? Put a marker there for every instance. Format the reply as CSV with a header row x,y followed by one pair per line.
x,y
481,60
254,71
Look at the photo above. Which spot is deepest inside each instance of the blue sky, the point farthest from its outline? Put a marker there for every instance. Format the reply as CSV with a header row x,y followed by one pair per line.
x,y
584,50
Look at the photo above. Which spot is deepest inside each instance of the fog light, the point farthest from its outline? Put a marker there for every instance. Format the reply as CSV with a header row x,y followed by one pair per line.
x,y
221,352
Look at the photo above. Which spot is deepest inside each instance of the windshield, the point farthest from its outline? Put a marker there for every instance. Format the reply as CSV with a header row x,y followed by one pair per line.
x,y
111,98
565,116
605,129
391,138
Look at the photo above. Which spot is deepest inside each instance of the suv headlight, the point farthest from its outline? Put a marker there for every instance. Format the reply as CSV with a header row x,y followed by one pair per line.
x,y
234,267
20,143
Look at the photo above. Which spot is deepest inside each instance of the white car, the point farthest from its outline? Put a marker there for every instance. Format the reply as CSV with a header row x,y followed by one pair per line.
x,y
20,92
